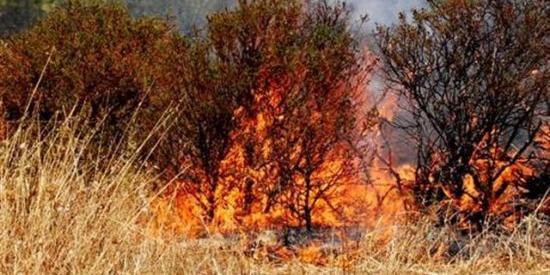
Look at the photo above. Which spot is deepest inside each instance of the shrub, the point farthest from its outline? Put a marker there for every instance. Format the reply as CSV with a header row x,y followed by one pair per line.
x,y
91,55
289,66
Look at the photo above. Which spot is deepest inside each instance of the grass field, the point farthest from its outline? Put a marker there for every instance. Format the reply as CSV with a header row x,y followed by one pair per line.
x,y
65,210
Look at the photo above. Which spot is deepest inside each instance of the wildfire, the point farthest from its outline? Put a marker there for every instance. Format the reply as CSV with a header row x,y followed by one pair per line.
x,y
255,196
359,202
356,202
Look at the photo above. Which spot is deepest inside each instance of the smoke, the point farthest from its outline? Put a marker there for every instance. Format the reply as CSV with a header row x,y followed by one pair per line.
x,y
191,12
384,11
186,13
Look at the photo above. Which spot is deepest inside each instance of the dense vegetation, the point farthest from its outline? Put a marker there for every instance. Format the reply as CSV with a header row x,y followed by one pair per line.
x,y
91,57
263,112
295,66
262,120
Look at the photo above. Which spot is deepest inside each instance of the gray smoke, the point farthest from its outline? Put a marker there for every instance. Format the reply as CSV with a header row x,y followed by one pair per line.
x,y
17,14
384,11
190,12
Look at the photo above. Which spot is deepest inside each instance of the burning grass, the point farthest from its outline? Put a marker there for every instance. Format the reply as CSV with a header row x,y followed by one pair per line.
x,y
64,211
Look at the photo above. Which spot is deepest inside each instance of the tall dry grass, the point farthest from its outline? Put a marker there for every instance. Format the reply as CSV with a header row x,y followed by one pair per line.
x,y
66,209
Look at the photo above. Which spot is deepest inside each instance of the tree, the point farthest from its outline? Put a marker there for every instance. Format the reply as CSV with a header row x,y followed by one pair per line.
x,y
312,134
90,56
242,40
474,75
298,130
199,136
265,107
217,80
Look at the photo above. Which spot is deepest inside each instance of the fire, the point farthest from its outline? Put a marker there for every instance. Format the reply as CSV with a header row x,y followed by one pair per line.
x,y
363,198
313,253
356,202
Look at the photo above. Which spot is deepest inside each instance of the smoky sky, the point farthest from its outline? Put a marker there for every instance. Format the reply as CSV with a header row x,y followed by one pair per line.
x,y
194,12
383,11
188,13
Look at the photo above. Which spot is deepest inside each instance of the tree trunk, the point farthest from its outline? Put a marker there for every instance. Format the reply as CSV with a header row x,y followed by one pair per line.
x,y
307,208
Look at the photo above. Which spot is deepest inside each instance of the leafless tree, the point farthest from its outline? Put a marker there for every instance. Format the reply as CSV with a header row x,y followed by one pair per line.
x,y
475,76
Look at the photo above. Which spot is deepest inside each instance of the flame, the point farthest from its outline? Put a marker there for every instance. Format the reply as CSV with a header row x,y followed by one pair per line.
x,y
362,200
243,203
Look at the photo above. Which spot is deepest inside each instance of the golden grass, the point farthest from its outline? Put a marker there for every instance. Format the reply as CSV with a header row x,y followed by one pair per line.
x,y
65,210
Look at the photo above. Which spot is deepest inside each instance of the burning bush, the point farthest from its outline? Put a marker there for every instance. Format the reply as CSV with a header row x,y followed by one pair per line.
x,y
310,114
267,118
475,76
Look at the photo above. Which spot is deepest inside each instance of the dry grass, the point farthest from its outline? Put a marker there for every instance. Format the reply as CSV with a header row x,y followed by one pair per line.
x,y
63,210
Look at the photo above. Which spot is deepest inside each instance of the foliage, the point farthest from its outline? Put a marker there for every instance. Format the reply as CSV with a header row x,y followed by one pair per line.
x,y
84,55
17,15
